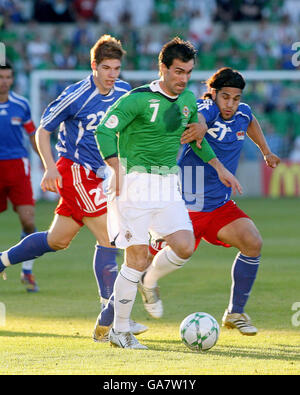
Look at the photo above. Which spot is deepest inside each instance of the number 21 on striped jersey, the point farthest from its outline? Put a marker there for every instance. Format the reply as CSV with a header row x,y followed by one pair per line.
x,y
154,115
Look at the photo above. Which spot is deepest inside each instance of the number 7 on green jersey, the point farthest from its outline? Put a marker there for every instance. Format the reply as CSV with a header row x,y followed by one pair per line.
x,y
154,115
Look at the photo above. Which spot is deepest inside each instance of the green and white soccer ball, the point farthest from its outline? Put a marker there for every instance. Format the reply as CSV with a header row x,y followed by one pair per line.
x,y
199,331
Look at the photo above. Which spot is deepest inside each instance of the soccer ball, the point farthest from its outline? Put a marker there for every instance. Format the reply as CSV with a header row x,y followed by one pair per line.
x,y
199,331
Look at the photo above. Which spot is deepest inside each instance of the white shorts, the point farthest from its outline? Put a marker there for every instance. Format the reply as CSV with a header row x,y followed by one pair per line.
x,y
148,202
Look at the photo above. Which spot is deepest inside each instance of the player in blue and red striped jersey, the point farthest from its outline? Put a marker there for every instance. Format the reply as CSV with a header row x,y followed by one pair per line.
x,y
80,171
15,182
215,217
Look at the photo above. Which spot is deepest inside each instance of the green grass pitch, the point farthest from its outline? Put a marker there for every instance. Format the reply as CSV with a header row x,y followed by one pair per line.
x,y
50,332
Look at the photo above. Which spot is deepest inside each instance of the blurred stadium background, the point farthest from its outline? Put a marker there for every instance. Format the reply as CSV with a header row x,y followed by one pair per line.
x,y
257,37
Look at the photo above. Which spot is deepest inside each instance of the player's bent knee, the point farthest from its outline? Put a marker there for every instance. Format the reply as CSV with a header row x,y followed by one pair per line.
x,y
58,244
183,247
185,250
257,244
252,246
185,254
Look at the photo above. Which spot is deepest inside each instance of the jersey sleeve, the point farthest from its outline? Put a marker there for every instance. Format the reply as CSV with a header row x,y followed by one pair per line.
x,y
28,123
206,153
208,109
121,114
194,117
245,110
58,111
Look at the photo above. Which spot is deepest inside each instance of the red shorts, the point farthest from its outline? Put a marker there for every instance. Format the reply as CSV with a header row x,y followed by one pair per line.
x,y
15,183
81,193
207,224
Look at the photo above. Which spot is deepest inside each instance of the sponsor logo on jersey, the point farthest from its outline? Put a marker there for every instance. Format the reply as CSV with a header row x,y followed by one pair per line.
x,y
186,111
154,101
16,120
240,135
112,122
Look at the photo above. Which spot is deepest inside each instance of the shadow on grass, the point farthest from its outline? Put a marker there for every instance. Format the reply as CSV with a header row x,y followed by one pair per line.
x,y
281,352
37,334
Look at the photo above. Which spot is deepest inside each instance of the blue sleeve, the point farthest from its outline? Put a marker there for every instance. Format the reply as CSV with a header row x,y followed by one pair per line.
x,y
58,111
208,109
129,87
27,113
245,109
123,85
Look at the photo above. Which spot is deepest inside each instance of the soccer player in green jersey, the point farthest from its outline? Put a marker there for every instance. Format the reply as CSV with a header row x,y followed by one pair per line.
x,y
139,138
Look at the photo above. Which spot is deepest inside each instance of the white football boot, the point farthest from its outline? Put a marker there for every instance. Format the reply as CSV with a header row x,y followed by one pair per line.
x,y
125,340
152,302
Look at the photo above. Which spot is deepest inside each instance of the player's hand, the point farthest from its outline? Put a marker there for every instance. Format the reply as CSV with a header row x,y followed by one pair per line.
x,y
194,132
272,160
51,179
226,177
230,181
3,275
115,184
116,179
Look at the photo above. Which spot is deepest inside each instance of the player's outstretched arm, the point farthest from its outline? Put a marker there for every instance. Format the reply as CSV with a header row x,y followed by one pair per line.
x,y
33,143
255,133
51,175
226,177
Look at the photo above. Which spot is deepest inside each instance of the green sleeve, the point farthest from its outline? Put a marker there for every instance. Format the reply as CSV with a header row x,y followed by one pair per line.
x,y
121,113
206,153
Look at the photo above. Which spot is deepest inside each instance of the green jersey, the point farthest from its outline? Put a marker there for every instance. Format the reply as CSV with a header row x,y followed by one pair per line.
x,y
144,127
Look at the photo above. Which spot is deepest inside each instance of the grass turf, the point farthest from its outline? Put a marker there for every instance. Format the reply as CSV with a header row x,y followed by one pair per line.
x,y
50,332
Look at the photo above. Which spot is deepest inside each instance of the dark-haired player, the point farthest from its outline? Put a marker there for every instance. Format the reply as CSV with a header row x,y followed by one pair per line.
x,y
15,182
215,217
149,121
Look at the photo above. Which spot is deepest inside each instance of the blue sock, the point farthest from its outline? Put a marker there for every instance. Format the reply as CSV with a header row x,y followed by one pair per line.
x,y
105,269
106,316
31,247
26,271
244,270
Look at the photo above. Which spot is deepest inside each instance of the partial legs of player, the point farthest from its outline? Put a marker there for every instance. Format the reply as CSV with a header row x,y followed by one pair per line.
x,y
26,217
242,234
180,246
136,262
125,290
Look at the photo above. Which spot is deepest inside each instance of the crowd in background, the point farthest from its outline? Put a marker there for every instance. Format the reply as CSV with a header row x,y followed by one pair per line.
x,y
243,34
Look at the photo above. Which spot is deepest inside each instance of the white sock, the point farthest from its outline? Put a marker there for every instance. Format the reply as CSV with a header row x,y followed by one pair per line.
x,y
4,259
165,262
125,290
28,265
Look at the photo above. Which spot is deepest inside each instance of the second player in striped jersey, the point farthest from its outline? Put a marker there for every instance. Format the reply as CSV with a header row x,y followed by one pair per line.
x,y
15,175
79,172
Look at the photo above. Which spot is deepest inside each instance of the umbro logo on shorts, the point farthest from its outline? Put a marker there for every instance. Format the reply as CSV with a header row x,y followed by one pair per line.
x,y
125,301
